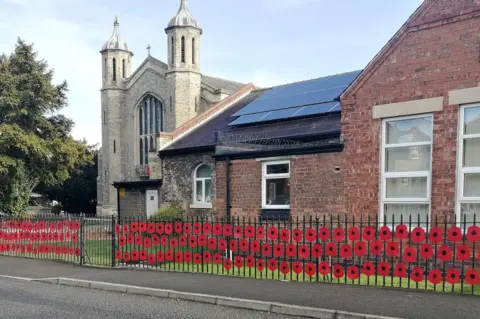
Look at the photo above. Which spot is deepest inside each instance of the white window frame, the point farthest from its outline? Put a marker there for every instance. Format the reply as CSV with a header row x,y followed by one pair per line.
x,y
203,203
461,171
385,175
266,177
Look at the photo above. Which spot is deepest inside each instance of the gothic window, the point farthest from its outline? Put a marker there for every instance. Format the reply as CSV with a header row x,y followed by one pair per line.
x,y
150,122
123,68
171,104
183,49
173,50
114,147
114,63
104,117
193,51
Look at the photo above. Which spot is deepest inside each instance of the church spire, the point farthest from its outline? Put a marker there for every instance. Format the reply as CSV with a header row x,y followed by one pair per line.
x,y
115,42
183,18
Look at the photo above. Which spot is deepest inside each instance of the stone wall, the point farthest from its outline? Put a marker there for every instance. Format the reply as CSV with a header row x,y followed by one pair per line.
x,y
134,202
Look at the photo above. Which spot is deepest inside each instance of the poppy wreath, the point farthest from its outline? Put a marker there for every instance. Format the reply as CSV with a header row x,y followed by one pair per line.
x,y
266,250
324,268
426,251
417,235
452,276
472,277
463,252
291,250
284,235
400,270
260,232
207,228
187,229
435,276
338,235
227,230
353,272
197,228
284,267
473,234
278,250
160,229
217,259
272,264
338,271
260,265
317,251
311,235
227,264
151,228
409,255
401,232
168,229
249,261
368,268
303,251
331,249
249,231
217,229
392,249
212,243
417,274
197,259
238,231
383,268
297,267
272,233
346,251
444,253
297,235
178,227
376,247
385,233
238,262
324,233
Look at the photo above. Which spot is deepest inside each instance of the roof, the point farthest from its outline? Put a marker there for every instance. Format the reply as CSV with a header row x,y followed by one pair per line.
x,y
228,86
115,42
183,18
204,135
138,184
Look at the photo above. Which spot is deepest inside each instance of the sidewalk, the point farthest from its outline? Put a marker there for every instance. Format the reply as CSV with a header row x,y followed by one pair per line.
x,y
368,300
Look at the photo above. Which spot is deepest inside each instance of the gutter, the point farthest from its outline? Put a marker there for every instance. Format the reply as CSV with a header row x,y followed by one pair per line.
x,y
186,150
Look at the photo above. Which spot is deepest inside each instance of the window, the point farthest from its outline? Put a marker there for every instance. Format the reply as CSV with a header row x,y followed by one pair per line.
x,y
150,122
171,104
172,51
468,181
114,147
193,51
406,169
183,49
104,117
123,68
276,185
114,63
105,69
202,185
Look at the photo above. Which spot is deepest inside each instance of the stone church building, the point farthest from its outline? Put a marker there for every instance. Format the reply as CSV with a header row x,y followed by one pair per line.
x,y
136,106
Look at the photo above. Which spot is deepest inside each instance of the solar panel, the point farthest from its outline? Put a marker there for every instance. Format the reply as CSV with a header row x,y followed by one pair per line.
x,y
280,114
250,118
316,109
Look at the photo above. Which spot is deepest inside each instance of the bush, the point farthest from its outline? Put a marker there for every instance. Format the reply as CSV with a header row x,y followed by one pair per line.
x,y
172,212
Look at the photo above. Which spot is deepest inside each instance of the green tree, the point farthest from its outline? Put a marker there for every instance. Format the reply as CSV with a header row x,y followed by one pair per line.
x,y
35,140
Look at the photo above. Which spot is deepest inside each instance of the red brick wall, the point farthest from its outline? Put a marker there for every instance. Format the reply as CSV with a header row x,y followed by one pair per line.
x,y
315,186
430,60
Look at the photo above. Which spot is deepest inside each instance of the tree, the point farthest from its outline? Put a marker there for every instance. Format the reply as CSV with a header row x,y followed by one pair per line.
x,y
35,141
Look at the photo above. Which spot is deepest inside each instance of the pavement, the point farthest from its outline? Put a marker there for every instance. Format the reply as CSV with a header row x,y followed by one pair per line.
x,y
357,299
27,299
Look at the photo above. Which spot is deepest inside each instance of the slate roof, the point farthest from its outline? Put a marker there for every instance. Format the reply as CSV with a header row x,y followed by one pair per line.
x,y
228,86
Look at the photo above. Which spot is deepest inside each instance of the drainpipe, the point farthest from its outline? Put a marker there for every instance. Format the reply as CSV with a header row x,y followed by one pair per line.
x,y
118,203
227,191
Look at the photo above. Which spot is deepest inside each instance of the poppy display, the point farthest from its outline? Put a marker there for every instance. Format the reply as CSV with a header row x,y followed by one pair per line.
x,y
473,234
168,228
297,235
310,234
197,259
249,231
400,270
346,251
392,249
463,252
217,259
134,255
338,271
266,249
291,250
182,240
324,268
178,227
416,274
147,242
385,233
454,234
217,229
272,264
376,247
409,254
284,235
278,250
260,265
383,268
331,249
401,231
249,261
260,232
178,257
222,244
227,230
254,246
164,240
151,259
122,241
233,245
207,256
353,233
126,256
159,228
324,233
197,228
417,235
169,255
472,277
134,227
238,231
304,251
238,262
368,233
435,235
212,243
142,227
284,267
202,240
138,240
187,228
452,276
317,251
192,241
151,228
187,256
368,268
272,233
207,228
117,229
353,272
426,251
435,276
338,235
173,243
297,267
227,264
444,253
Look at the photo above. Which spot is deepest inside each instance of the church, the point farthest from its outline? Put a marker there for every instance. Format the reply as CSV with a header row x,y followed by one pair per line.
x,y
158,97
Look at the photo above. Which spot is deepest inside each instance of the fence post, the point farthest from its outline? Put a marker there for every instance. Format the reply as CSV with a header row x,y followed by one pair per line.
x,y
113,242
82,239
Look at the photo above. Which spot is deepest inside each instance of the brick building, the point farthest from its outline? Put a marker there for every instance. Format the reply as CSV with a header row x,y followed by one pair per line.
x,y
410,121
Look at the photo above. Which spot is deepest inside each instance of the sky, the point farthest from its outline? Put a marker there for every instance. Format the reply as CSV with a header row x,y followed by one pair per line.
x,y
265,42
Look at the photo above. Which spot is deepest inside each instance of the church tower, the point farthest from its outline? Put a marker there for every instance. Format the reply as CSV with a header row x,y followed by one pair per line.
x,y
183,36
116,67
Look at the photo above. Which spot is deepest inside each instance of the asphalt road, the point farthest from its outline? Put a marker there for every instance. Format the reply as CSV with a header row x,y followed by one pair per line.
x,y
24,299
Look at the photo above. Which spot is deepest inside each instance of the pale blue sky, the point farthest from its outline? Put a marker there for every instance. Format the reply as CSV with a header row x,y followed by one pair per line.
x,y
267,42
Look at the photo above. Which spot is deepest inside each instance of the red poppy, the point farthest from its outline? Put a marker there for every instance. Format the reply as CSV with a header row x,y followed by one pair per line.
x,y
338,271
409,254
254,246
217,259
463,252
317,250
222,244
392,249
266,249
284,267
74,238
187,228
249,261
187,256
472,277
426,251
360,248
122,241
238,231
207,228
297,267
353,233
278,250
227,230
173,243
150,228
346,251
202,240
454,234
138,240
400,270
126,256
227,264
182,240
385,233
338,235
143,255
168,229
260,232
244,244
272,264
249,231
71,251
238,262
311,234
417,235
368,233
217,229
444,253
417,274
324,268
304,251
233,245
435,235
178,227
376,247
134,255
178,257
284,235
142,227
272,233
297,234
169,255
368,268
197,258
353,272
164,240
147,242
59,250
473,234
324,233
197,228
192,241
401,232
383,268
159,228
260,265
331,249
212,243
291,250
435,276
117,229
452,276
207,256
151,259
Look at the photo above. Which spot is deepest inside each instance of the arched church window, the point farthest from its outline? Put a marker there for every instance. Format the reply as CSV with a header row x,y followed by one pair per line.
x,y
145,150
152,144
140,120
123,68
141,151
158,113
173,50
150,121
193,51
114,65
152,116
145,117
183,49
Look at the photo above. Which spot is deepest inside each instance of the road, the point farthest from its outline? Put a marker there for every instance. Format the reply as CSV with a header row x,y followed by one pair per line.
x,y
26,299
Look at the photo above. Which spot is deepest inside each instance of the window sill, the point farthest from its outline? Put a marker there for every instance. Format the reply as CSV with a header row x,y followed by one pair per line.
x,y
276,207
201,205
